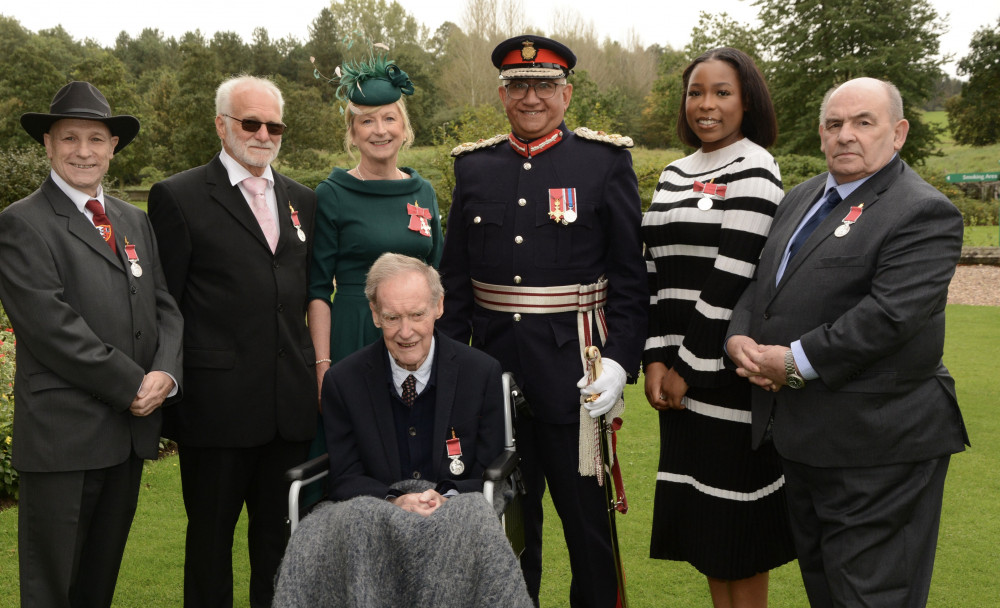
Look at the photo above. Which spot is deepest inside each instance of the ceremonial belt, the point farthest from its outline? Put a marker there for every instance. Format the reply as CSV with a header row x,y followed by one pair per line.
x,y
588,302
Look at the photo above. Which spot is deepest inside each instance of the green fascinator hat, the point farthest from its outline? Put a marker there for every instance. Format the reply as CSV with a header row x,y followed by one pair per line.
x,y
373,81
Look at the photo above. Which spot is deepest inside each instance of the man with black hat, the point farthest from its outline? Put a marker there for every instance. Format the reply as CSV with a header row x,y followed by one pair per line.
x,y
543,257
236,238
98,352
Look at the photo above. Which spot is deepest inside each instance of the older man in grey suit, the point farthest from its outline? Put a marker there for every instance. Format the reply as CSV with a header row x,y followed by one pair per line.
x,y
98,351
843,331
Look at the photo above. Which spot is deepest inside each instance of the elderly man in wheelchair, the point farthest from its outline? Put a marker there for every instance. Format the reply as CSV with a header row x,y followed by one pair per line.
x,y
412,424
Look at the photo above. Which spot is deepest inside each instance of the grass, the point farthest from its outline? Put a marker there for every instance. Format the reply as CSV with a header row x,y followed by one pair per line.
x,y
967,558
981,236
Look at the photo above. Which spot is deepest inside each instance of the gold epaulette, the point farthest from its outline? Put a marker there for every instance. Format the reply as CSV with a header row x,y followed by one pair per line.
x,y
471,146
622,141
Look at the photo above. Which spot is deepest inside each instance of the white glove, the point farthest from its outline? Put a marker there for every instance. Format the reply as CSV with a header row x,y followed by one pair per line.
x,y
609,385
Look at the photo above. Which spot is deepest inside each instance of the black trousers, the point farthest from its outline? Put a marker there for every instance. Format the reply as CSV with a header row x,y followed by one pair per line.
x,y
216,483
550,452
72,530
866,536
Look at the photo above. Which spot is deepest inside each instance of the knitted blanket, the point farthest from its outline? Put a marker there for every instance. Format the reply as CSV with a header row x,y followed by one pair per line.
x,y
367,553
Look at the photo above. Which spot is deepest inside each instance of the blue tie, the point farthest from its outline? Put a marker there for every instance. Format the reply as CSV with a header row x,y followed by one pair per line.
x,y
832,200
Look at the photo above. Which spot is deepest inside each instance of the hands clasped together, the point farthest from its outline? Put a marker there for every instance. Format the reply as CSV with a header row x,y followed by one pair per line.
x,y
423,503
155,388
763,365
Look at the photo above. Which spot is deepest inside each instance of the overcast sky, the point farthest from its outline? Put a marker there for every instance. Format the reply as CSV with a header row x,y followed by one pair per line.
x,y
103,20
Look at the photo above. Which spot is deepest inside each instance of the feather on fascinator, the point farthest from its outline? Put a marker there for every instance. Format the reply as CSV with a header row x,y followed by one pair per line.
x,y
373,81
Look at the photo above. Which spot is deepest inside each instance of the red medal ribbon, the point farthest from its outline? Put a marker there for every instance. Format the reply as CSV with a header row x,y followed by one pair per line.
x,y
419,217
853,216
454,447
710,188
295,216
130,252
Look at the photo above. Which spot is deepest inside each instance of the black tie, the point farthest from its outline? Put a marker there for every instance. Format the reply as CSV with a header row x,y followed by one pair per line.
x,y
409,390
832,200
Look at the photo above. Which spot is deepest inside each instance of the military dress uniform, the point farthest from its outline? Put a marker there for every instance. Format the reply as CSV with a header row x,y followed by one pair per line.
x,y
542,254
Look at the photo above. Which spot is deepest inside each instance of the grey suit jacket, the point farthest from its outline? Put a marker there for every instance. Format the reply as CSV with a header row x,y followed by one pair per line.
x,y
869,310
358,419
87,332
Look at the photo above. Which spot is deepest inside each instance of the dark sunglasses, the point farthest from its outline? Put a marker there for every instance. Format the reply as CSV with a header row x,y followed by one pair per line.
x,y
252,126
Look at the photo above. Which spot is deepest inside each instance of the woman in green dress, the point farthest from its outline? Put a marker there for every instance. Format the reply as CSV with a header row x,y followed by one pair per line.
x,y
363,212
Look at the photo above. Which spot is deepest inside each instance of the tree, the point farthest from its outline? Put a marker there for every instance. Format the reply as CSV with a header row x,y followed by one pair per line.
x,y
659,112
974,116
815,45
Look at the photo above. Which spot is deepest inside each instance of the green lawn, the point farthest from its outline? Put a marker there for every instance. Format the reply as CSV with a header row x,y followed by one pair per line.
x,y
968,559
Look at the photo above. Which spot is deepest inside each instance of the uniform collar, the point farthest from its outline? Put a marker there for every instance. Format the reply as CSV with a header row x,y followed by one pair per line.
x,y
528,149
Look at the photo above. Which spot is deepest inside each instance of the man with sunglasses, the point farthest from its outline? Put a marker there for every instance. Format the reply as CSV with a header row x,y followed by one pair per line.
x,y
235,237
542,257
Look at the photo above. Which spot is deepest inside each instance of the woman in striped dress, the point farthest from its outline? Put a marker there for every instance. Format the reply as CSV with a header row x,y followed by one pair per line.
x,y
719,505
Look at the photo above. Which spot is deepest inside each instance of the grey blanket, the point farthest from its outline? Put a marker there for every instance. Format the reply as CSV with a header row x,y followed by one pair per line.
x,y
367,552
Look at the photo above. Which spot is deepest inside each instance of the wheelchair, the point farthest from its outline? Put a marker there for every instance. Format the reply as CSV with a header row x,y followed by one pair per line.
x,y
502,475
366,552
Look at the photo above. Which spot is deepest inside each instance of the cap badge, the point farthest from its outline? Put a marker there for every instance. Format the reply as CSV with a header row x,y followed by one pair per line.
x,y
528,51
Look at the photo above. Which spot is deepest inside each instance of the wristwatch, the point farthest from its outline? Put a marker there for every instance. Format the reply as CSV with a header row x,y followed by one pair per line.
x,y
792,377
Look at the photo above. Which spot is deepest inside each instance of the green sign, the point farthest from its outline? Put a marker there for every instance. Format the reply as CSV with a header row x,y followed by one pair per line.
x,y
958,178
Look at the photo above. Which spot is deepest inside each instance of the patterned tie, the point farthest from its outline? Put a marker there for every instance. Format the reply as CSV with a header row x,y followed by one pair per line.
x,y
409,390
257,186
832,200
103,223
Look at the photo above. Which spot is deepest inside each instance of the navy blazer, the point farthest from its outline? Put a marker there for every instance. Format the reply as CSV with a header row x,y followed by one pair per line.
x,y
868,308
361,435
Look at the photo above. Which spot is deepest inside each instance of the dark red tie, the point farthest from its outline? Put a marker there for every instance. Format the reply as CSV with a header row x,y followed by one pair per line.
x,y
103,223
409,390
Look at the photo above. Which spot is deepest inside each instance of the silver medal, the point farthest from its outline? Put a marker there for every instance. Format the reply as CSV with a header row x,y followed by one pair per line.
x,y
842,230
705,203
302,235
136,270
569,216
456,467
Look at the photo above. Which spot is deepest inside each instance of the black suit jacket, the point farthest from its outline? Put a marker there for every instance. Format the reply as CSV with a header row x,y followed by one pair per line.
x,y
87,332
869,310
248,357
361,436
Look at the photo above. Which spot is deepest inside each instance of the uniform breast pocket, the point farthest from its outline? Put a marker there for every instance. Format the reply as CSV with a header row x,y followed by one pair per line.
x,y
484,224
560,244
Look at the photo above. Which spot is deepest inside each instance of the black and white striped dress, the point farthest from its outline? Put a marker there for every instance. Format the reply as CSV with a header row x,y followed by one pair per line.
x,y
719,505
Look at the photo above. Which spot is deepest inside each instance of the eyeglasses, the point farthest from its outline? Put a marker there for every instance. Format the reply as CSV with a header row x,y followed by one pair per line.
x,y
543,89
252,126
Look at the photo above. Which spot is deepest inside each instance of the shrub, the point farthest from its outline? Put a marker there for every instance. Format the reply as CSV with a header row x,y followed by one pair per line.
x,y
22,171
8,476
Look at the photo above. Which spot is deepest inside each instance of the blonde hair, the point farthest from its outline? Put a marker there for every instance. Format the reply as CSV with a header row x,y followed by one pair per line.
x,y
354,110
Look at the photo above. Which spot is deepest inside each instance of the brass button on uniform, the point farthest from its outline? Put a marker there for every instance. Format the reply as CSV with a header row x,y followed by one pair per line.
x,y
518,239
527,166
522,202
517,280
476,219
517,316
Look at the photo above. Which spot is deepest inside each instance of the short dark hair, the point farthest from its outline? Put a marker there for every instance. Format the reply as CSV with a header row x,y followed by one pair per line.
x,y
760,125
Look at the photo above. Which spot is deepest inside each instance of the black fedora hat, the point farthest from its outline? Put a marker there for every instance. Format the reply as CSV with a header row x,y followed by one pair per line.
x,y
81,100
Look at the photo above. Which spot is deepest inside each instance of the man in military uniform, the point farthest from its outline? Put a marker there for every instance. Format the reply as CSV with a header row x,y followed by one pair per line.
x,y
542,257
